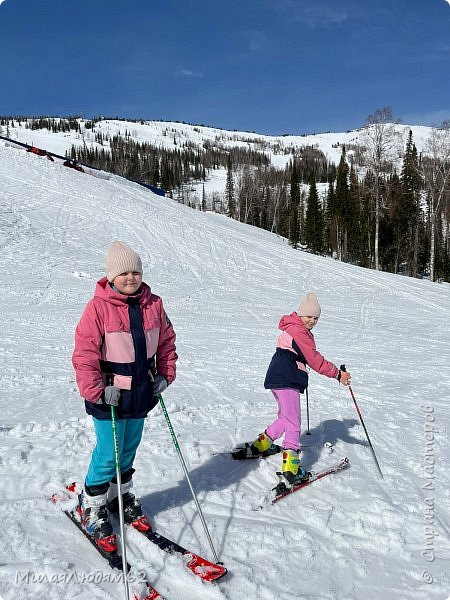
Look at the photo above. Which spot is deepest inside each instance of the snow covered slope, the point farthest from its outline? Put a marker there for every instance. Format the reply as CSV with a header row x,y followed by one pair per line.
x,y
225,285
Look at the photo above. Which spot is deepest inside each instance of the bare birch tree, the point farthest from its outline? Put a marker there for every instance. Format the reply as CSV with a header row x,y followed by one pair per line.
x,y
436,174
381,142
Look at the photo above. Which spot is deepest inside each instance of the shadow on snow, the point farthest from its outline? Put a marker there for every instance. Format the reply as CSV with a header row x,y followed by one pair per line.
x,y
220,471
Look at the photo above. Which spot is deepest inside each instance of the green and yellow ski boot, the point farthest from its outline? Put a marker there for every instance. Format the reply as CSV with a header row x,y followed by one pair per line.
x,y
291,469
262,447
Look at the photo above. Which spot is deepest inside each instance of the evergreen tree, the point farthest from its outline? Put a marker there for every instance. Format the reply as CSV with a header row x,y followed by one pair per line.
x,y
352,218
229,190
339,209
412,184
366,216
294,204
266,199
203,198
328,217
280,208
314,221
399,223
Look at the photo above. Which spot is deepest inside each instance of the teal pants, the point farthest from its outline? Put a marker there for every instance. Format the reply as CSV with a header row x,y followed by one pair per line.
x,y
103,463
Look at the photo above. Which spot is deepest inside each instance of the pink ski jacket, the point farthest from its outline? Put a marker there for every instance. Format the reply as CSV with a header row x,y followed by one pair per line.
x,y
296,348
119,341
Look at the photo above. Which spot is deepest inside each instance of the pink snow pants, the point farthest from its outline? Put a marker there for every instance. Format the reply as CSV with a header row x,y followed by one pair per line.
x,y
288,420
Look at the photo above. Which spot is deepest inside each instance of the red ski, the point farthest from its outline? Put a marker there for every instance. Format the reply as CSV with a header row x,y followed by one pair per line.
x,y
203,568
282,490
115,560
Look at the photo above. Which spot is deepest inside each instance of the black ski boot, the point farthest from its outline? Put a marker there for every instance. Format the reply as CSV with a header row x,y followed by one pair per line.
x,y
132,509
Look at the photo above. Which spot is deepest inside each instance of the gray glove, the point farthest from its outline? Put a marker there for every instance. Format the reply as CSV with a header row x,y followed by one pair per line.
x,y
111,395
159,385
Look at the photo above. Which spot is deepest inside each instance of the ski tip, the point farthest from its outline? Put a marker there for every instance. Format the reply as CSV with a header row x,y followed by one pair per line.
x,y
70,492
150,594
205,569
214,574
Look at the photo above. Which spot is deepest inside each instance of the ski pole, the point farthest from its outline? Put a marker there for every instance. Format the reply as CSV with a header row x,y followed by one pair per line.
x,y
121,519
307,411
342,367
183,464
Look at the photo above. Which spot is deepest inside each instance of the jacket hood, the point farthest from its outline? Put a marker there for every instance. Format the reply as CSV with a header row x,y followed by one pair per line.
x,y
104,291
292,324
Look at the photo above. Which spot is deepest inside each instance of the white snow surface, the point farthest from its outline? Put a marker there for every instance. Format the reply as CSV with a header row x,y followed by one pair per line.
x,y
350,536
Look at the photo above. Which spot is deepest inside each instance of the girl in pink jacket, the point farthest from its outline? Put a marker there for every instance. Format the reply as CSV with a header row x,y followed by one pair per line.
x,y
124,356
287,378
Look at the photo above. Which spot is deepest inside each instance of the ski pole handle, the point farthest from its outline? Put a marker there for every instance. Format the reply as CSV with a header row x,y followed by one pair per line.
x,y
344,380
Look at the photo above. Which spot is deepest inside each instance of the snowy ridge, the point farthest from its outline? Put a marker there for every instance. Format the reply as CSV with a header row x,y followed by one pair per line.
x,y
172,136
224,285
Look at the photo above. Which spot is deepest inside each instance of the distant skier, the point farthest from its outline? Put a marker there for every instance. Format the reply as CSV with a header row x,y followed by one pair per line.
x,y
36,150
287,377
72,164
124,356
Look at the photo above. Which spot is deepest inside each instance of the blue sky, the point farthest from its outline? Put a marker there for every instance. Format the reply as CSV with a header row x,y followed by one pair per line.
x,y
269,66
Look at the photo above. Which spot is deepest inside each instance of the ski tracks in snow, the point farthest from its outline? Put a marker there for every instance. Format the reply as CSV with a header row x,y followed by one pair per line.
x,y
225,285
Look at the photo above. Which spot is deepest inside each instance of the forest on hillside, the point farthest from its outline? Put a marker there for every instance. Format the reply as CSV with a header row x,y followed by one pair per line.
x,y
372,213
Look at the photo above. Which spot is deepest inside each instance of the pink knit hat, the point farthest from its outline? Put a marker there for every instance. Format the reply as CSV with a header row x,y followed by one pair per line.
x,y
120,258
310,306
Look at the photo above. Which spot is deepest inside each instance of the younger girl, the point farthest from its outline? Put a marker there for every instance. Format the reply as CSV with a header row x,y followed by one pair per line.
x,y
124,356
287,377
